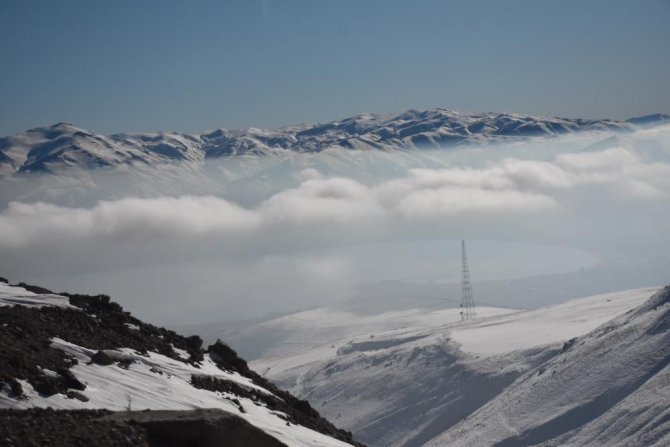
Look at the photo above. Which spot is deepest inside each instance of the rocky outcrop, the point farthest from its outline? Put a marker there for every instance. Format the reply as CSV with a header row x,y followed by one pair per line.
x,y
101,428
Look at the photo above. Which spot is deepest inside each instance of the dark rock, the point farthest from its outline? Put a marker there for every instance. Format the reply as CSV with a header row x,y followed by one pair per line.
x,y
101,428
194,342
70,380
226,356
77,395
125,363
48,385
203,428
15,388
100,358
44,427
93,303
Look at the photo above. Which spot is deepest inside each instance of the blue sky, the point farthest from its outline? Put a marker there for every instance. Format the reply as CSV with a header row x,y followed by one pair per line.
x,y
129,65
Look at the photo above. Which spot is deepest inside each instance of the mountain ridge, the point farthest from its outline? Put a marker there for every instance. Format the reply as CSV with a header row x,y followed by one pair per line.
x,y
63,145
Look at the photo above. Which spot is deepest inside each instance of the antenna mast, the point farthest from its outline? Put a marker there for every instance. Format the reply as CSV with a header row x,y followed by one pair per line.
x,y
467,301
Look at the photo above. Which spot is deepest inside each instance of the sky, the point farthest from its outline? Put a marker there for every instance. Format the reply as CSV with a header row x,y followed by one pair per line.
x,y
128,65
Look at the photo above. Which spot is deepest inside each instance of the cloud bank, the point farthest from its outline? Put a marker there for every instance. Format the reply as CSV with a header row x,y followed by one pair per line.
x,y
310,234
510,189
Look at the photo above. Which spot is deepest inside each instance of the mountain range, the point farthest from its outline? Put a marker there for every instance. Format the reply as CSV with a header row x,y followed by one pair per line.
x,y
61,146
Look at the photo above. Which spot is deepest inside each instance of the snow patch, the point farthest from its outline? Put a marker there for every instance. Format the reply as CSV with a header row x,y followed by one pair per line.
x,y
18,296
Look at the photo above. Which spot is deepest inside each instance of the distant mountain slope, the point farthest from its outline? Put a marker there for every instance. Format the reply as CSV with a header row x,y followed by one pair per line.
x,y
648,120
84,352
403,387
61,146
610,387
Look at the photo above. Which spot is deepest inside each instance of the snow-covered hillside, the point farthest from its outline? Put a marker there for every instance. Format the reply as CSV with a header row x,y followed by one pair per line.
x,y
409,384
610,387
82,352
61,146
319,333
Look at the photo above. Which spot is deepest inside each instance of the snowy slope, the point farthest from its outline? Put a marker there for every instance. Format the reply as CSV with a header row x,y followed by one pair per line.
x,y
16,295
406,386
610,387
62,146
298,332
544,326
132,378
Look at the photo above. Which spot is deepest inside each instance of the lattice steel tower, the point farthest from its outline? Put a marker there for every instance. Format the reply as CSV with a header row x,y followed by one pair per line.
x,y
467,301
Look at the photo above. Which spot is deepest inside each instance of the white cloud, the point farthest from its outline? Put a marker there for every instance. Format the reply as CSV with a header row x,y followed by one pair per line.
x,y
609,160
535,175
458,201
131,218
303,237
321,200
319,203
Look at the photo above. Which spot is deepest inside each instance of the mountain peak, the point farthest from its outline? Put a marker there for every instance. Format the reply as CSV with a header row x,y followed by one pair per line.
x,y
61,125
55,130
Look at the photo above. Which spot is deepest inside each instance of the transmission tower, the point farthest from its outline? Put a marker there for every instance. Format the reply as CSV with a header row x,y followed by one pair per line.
x,y
467,301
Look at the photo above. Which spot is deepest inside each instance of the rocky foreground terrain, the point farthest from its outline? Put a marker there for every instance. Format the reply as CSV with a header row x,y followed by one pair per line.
x,y
103,428
66,360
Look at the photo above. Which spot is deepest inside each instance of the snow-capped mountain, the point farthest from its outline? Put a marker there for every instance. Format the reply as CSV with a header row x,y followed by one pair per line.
x,y
412,376
81,352
62,146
